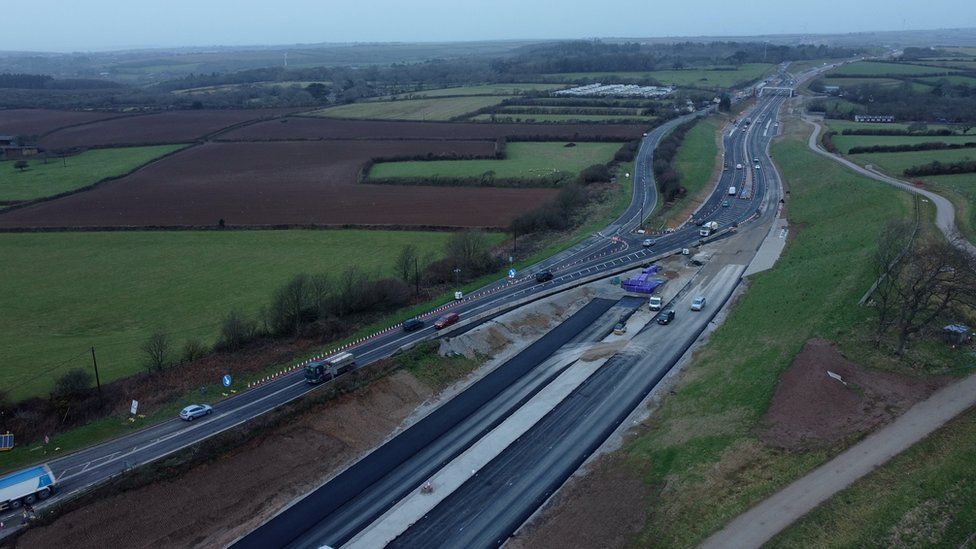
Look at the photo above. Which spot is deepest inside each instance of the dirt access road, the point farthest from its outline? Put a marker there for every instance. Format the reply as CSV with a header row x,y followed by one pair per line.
x,y
759,524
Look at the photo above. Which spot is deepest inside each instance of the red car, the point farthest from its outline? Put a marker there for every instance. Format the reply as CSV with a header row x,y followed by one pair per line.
x,y
446,320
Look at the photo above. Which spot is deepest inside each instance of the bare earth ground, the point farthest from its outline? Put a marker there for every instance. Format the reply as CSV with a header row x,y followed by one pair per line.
x,y
282,183
811,409
41,121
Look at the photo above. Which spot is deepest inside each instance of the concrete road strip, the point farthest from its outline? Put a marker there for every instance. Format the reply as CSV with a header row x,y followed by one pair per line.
x,y
457,472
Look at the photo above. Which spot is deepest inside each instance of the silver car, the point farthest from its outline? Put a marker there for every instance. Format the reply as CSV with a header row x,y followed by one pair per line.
x,y
698,303
194,411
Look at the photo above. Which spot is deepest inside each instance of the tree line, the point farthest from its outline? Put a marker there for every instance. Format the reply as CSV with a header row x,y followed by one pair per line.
x,y
942,168
910,147
667,176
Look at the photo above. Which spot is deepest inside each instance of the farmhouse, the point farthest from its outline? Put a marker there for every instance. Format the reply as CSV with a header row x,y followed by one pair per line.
x,y
885,118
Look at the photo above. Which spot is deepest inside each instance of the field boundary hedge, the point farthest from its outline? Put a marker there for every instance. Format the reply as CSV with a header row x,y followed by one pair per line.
x,y
942,168
893,132
911,147
275,227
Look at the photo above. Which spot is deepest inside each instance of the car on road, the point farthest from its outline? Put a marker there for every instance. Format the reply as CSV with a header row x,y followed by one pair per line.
x,y
698,303
446,320
725,203
620,328
665,317
757,166
194,411
648,242
412,324
544,276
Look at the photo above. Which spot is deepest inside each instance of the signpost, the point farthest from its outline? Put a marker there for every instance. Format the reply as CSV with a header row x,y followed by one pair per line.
x,y
6,442
134,407
226,380
511,273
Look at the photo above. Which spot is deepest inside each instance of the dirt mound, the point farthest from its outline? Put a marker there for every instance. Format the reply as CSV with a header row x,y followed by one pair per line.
x,y
604,508
812,409
240,490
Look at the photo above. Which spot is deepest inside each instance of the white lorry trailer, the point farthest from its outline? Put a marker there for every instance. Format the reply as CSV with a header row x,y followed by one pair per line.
x,y
708,228
26,486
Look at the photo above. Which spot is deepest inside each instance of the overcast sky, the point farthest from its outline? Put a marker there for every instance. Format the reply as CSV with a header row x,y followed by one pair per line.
x,y
78,25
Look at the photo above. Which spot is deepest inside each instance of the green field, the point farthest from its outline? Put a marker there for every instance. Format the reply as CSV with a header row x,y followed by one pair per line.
x,y
695,162
563,118
925,497
896,163
66,292
701,454
845,142
796,67
961,64
58,176
886,82
701,78
872,68
486,89
412,109
523,160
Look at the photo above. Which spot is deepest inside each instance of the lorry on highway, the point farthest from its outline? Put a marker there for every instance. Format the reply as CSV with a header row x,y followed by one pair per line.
x,y
26,486
708,228
326,369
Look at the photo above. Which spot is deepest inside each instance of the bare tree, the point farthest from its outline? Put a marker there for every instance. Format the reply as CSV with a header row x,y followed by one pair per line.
x,y
157,349
893,243
406,262
934,279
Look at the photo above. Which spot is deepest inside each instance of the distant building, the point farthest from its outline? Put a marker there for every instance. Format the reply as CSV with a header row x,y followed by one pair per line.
x,y
7,140
832,90
884,118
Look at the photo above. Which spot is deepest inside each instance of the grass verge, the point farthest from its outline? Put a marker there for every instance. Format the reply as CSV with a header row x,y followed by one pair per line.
x,y
925,497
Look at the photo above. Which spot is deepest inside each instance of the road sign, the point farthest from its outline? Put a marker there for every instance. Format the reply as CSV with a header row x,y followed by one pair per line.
x,y
6,442
134,407
226,380
511,273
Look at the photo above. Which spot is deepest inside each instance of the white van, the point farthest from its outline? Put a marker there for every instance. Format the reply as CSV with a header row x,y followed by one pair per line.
x,y
655,303
731,191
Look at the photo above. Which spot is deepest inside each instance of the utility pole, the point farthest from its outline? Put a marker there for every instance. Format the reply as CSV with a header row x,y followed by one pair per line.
x,y
98,382
514,240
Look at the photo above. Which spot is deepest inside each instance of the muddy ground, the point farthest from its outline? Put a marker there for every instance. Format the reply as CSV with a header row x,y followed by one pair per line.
x,y
290,183
325,128
165,127
810,409
42,121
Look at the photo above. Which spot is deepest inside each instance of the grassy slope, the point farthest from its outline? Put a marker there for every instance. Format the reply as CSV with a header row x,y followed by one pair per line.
x,y
412,109
695,162
58,176
845,142
686,77
702,451
925,497
524,159
64,292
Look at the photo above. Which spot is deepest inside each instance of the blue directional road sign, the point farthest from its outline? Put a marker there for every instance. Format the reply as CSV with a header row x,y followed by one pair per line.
x,y
511,273
226,380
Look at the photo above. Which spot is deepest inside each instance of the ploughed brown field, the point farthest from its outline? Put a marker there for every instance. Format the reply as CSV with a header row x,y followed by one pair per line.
x,y
42,121
324,128
148,129
282,183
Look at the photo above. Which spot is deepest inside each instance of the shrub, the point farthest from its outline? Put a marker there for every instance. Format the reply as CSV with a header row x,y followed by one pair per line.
x,y
73,386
